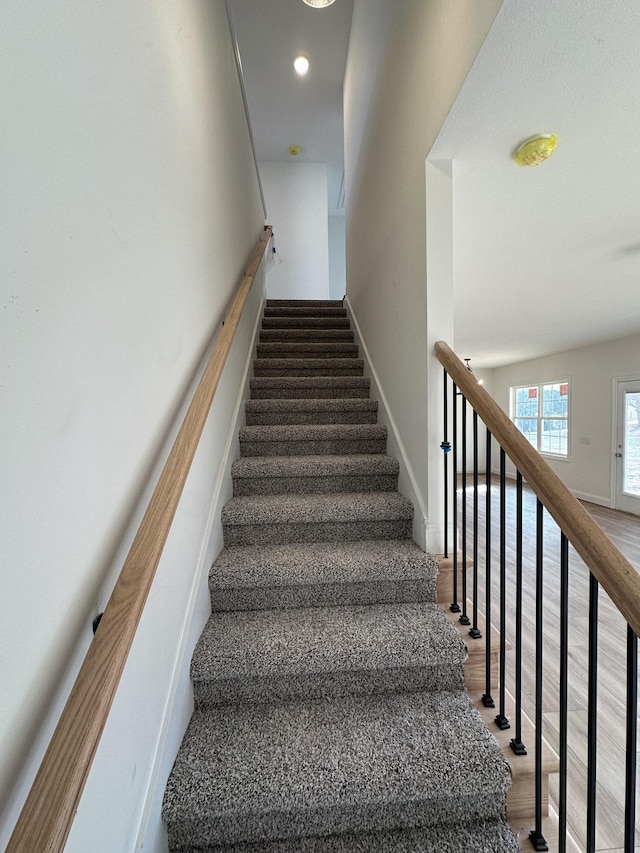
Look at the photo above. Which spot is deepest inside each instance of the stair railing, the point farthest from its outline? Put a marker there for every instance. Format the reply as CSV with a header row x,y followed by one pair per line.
x,y
49,810
607,566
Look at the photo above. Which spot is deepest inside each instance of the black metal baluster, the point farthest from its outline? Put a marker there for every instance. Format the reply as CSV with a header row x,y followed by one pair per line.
x,y
632,742
535,836
592,723
564,693
454,607
464,619
516,743
501,719
446,447
487,699
474,632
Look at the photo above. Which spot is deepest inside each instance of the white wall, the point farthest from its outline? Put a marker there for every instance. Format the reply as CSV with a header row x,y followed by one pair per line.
x,y
296,199
130,208
337,258
406,64
590,371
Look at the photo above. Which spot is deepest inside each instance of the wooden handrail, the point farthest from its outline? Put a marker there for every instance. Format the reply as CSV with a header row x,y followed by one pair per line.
x,y
613,571
49,810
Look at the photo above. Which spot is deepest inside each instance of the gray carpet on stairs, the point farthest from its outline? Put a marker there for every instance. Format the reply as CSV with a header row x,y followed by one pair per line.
x,y
308,349
482,837
320,574
304,387
316,333
275,412
272,475
269,655
277,771
299,439
330,710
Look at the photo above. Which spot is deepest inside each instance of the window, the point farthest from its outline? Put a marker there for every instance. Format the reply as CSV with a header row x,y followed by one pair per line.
x,y
541,413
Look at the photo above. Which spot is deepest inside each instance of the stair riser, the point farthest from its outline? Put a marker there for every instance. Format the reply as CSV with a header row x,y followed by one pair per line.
x,y
321,595
328,367
292,447
489,836
320,685
306,336
312,405
331,350
222,830
293,418
298,311
306,323
313,485
282,534
304,303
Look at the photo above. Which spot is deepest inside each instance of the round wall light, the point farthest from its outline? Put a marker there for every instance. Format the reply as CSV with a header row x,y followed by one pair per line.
x,y
301,64
294,150
536,150
319,4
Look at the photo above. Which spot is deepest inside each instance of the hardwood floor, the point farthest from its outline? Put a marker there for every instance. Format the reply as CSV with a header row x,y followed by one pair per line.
x,y
624,530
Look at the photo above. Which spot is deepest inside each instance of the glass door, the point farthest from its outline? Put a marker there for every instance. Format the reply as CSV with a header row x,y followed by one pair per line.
x,y
627,452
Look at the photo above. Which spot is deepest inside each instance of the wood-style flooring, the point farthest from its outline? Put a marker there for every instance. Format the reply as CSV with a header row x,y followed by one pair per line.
x,y
624,530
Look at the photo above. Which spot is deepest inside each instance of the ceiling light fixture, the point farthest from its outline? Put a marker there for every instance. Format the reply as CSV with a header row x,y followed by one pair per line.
x,y
536,150
319,4
301,64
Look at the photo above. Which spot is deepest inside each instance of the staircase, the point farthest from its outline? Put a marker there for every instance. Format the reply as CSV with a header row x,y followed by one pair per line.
x,y
330,708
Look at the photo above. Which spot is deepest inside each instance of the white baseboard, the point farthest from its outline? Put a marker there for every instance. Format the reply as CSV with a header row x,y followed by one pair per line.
x,y
179,705
592,499
600,500
407,482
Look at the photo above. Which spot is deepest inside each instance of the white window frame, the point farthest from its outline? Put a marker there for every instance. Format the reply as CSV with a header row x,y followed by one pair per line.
x,y
539,417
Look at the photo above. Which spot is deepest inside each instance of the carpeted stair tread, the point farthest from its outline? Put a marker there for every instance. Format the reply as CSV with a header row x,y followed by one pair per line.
x,y
372,472
491,836
309,387
308,367
280,519
312,439
331,411
313,335
256,772
306,322
280,655
320,574
314,466
316,508
305,311
307,349
304,303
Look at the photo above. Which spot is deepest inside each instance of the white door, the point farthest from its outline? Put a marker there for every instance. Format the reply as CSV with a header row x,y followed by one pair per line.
x,y
627,451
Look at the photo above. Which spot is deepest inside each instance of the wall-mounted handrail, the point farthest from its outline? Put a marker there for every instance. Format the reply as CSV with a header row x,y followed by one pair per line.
x,y
613,571
50,807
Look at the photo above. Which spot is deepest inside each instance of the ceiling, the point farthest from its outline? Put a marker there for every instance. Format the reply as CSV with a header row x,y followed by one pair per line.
x,y
286,109
546,259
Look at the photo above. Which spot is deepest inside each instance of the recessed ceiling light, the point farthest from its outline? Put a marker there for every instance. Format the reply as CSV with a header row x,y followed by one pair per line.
x,y
319,4
301,64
